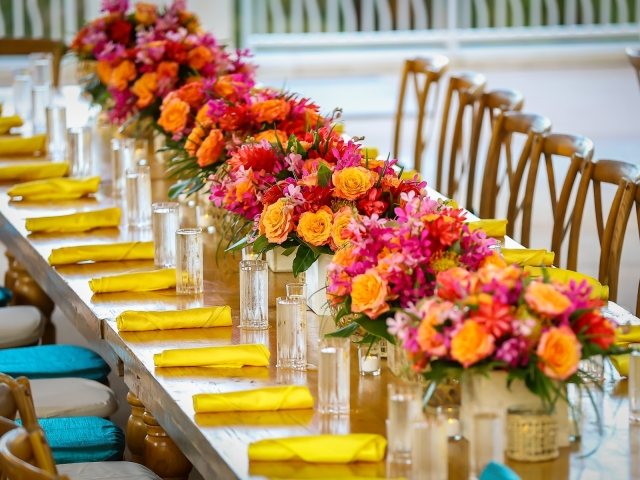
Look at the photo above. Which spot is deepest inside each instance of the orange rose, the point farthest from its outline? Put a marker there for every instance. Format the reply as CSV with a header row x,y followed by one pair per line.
x,y
276,221
344,257
559,351
210,150
315,228
271,135
174,116
455,283
471,344
145,88
146,14
122,75
167,69
236,194
341,220
495,260
545,299
192,94
194,140
199,57
189,20
508,275
270,110
352,182
369,293
224,86
202,117
428,337
104,71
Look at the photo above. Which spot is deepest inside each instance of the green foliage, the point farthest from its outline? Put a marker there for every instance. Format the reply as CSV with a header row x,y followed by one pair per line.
x,y
324,175
305,257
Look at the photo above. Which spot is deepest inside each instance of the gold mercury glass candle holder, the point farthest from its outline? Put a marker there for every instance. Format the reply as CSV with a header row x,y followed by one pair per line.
x,y
532,434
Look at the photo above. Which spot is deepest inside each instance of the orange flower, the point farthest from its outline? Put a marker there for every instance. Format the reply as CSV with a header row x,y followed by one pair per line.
x,y
352,182
341,220
122,75
167,69
545,299
271,135
146,14
189,20
276,221
494,260
236,194
194,140
559,351
174,115
104,70
145,88
344,257
270,110
202,117
313,117
313,165
507,276
315,228
192,94
211,149
428,337
225,86
199,57
471,344
369,293
455,283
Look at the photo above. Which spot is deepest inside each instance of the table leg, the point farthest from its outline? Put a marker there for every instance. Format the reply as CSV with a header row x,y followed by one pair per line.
x,y
136,429
161,455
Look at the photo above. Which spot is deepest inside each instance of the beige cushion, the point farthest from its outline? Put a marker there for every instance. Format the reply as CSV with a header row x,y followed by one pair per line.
x,y
110,470
72,397
20,326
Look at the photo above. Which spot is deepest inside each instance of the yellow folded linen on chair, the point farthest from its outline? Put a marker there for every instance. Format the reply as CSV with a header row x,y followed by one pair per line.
x,y
109,252
55,188
135,282
32,171
362,447
624,336
226,356
526,257
75,222
17,145
259,399
7,123
493,228
597,289
131,321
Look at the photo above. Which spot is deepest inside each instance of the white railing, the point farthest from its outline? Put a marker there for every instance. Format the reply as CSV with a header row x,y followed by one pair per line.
x,y
368,23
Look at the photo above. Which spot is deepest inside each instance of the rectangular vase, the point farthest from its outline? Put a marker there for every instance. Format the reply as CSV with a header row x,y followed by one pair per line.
x,y
279,263
316,280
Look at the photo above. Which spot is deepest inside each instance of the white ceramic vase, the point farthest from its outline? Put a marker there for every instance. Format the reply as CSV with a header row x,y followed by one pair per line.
x,y
316,279
278,262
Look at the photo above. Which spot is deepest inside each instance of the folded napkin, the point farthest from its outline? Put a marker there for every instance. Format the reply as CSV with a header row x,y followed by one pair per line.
x,y
338,127
131,321
32,171
109,252
624,336
369,152
621,364
410,175
17,145
227,356
259,399
75,222
495,471
598,290
526,257
363,447
55,188
7,123
493,228
135,282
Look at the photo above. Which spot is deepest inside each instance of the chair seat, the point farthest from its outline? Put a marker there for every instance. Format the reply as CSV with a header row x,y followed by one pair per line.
x,y
20,325
83,439
53,361
5,296
110,470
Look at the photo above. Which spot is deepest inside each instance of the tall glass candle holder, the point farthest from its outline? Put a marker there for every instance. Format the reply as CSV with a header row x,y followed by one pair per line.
x,y
57,132
634,383
429,455
369,359
140,154
291,323
41,68
249,254
254,294
488,442
405,407
333,375
80,164
122,150
22,93
166,221
40,100
189,261
138,187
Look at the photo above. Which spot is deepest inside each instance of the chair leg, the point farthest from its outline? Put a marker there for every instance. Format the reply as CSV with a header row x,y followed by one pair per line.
x,y
136,429
161,455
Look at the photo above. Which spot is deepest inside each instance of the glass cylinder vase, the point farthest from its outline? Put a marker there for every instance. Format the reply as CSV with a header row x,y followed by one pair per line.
x,y
254,294
291,324
189,261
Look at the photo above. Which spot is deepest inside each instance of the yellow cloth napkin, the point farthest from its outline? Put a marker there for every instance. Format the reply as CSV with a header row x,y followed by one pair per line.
x,y
598,290
131,321
338,127
7,123
55,188
363,447
75,222
621,364
410,175
624,336
259,399
17,145
493,228
110,252
369,152
32,171
227,356
135,282
526,257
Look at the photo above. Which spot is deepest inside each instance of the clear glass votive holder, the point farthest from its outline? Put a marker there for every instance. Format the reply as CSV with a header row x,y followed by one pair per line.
x,y
248,253
40,100
138,196
297,290
189,261
122,150
41,68
166,222
333,376
593,368
291,334
140,154
496,247
488,442
254,294
634,383
576,412
369,359
405,408
430,452
80,153
57,132
22,93
451,415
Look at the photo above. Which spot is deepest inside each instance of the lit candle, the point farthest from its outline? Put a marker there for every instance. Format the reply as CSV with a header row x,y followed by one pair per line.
x,y
453,427
370,364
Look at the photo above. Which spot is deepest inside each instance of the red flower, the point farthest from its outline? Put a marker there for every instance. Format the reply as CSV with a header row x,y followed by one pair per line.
x,y
274,194
404,187
444,231
316,197
596,328
120,32
254,156
373,203
176,52
496,317
234,117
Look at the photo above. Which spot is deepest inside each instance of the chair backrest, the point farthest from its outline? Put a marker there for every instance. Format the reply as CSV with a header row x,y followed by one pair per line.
x,y
425,72
25,46
634,59
27,456
501,170
467,87
15,397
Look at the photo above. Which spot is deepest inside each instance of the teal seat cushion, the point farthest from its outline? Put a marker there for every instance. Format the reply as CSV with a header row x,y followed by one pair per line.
x,y
5,296
83,439
53,361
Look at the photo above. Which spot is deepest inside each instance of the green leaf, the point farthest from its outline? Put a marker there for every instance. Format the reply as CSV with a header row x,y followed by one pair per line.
x,y
178,188
289,251
324,175
376,327
261,243
344,332
284,174
239,245
304,259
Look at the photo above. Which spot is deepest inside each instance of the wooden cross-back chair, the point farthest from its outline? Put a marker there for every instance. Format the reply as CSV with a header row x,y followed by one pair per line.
x,y
26,46
425,72
504,168
467,87
27,456
634,59
611,229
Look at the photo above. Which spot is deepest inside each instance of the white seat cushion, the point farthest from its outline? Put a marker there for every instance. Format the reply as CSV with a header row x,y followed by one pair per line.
x,y
110,470
20,326
72,397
